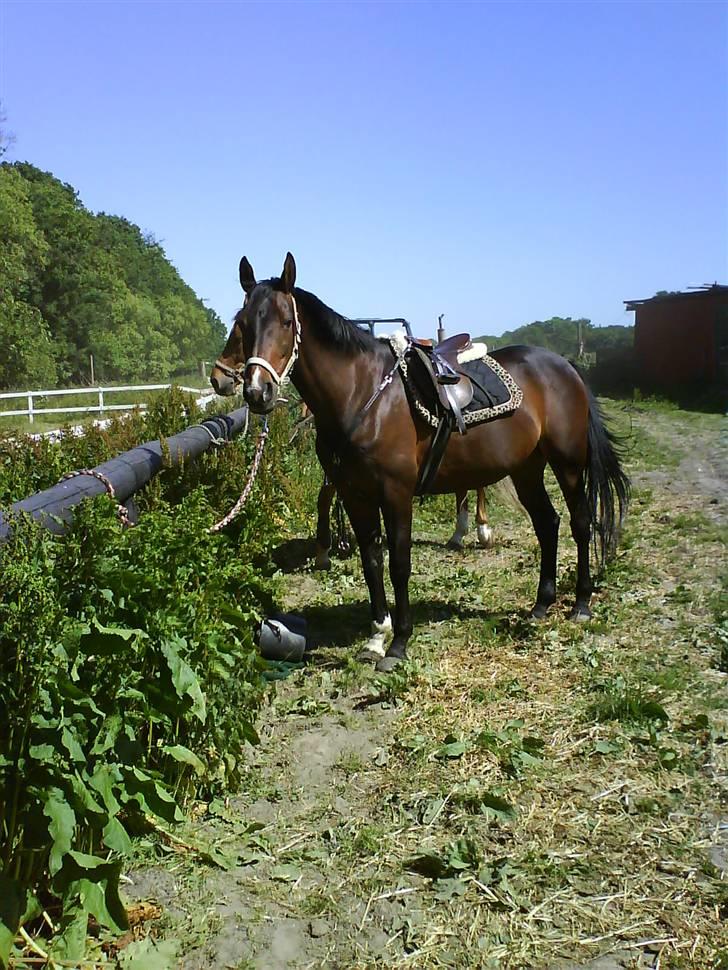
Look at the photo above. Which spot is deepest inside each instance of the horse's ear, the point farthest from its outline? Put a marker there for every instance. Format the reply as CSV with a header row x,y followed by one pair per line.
x,y
247,276
288,276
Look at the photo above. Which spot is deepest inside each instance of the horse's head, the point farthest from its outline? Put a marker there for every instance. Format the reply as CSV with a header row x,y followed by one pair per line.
x,y
263,343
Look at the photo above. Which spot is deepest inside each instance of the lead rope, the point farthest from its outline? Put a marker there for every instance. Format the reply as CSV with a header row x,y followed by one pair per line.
x,y
121,510
238,507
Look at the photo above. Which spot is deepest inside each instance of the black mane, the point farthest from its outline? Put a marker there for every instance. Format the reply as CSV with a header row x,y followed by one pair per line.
x,y
337,330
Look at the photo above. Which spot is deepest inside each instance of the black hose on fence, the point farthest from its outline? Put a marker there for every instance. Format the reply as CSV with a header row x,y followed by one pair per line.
x,y
126,473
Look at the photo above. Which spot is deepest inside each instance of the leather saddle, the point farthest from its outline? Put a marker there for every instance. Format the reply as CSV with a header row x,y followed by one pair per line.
x,y
453,388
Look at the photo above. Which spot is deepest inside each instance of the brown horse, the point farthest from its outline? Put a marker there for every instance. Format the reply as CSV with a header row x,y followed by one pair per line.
x,y
373,454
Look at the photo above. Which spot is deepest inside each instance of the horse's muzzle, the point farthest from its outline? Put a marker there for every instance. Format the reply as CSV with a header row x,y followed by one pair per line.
x,y
223,383
261,398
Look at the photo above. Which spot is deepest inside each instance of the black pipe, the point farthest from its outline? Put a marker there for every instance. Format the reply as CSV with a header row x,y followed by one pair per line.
x,y
127,473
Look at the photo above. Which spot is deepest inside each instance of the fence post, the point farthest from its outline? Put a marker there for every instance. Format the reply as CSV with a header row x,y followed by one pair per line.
x,y
30,408
101,401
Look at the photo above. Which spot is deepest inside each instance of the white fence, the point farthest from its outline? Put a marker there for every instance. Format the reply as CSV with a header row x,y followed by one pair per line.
x,y
101,392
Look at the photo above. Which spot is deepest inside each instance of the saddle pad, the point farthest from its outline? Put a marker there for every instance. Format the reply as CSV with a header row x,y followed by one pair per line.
x,y
488,388
494,391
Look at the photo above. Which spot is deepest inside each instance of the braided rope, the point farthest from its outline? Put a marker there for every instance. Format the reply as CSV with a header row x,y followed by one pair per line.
x,y
214,439
121,510
237,508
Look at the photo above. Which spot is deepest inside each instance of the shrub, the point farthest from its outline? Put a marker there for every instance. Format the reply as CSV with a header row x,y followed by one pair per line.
x,y
129,682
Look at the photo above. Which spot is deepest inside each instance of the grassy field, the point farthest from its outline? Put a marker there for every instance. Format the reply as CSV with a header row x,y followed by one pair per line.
x,y
518,795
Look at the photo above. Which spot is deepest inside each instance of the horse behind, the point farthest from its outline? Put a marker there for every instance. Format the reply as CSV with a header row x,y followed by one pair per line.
x,y
372,453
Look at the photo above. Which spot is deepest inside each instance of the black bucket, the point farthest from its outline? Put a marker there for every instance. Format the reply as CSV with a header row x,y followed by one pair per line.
x,y
283,637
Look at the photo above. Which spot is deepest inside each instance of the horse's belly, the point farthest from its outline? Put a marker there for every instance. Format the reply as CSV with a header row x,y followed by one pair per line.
x,y
487,453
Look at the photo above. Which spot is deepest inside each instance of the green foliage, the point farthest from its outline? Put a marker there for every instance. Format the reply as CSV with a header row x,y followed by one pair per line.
x,y
73,283
129,681
561,335
618,700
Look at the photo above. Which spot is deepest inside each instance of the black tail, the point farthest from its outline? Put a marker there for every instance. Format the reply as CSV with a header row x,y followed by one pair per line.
x,y
607,486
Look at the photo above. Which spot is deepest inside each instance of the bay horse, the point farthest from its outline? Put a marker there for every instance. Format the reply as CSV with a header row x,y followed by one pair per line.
x,y
372,454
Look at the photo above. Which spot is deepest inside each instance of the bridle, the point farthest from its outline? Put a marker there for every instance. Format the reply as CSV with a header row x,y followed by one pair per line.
x,y
238,373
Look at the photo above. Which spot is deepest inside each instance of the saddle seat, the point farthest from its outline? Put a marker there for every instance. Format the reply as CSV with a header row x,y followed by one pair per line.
x,y
454,389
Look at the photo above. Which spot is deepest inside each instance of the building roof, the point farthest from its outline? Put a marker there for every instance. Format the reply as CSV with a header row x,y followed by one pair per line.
x,y
707,289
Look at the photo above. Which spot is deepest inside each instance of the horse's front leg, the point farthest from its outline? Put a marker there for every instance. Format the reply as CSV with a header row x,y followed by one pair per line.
x,y
397,511
367,527
323,525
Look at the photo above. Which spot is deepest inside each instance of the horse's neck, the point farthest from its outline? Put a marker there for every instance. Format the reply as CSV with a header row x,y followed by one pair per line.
x,y
333,385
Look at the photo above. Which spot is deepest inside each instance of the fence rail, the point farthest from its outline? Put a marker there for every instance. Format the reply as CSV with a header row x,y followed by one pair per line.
x,y
30,411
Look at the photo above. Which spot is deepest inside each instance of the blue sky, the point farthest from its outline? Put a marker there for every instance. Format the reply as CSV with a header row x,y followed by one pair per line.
x,y
498,163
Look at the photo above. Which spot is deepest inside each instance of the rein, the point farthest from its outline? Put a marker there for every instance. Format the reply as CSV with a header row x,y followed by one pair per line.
x,y
387,379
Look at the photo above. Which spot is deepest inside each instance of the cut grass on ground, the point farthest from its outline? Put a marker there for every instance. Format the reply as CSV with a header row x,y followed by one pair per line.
x,y
518,795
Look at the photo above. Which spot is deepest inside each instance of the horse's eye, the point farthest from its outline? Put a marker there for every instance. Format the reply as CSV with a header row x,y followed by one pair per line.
x,y
288,323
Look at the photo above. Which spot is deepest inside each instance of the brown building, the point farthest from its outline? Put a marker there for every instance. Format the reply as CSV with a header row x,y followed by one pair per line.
x,y
682,338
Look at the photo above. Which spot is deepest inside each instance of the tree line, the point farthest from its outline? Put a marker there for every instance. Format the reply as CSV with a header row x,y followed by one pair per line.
x,y
566,336
74,284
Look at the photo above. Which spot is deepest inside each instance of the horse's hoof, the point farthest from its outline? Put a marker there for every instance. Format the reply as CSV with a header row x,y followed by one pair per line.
x,y
323,564
486,540
538,612
454,544
580,615
387,664
367,655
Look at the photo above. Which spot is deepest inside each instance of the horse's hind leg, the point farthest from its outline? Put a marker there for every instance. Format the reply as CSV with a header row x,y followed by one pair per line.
x,y
534,498
485,533
571,481
323,525
462,522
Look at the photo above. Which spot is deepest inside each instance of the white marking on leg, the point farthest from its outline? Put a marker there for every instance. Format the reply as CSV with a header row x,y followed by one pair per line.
x,y
373,649
322,560
485,536
462,525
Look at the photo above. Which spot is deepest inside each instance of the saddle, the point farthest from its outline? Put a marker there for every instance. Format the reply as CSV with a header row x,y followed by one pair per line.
x,y
454,389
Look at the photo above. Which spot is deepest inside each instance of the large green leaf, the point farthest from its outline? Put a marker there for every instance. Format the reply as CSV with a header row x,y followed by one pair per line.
x,y
107,735
71,744
70,942
496,806
84,798
150,795
103,781
149,955
13,903
180,753
108,640
44,753
61,827
116,838
184,678
93,884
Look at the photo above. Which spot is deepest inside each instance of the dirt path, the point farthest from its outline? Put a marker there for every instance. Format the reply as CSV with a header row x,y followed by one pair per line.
x,y
518,796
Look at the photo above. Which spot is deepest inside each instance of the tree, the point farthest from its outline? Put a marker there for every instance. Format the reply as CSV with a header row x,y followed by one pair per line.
x,y
561,334
7,138
26,356
92,284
